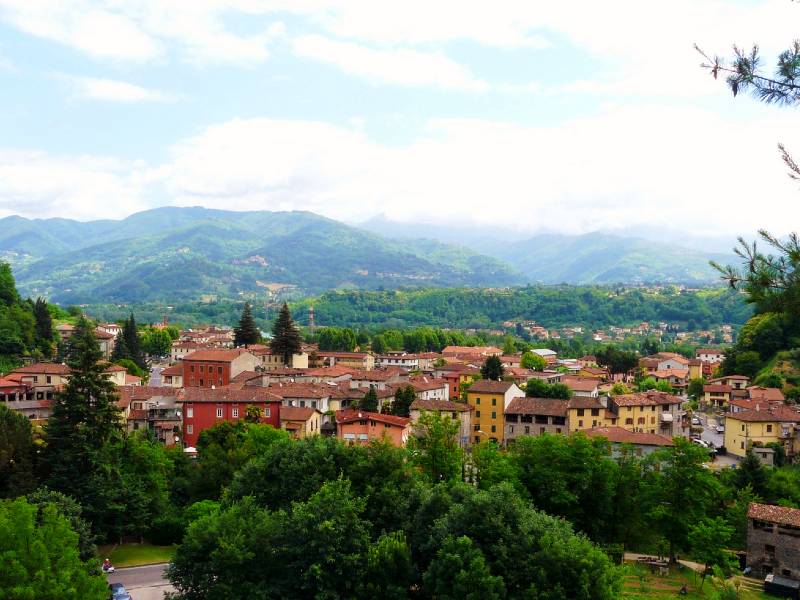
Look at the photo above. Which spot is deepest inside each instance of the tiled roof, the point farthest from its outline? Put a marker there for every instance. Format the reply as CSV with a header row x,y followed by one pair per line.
x,y
6,383
173,370
246,376
43,367
440,405
774,514
584,402
228,394
618,435
351,415
538,406
715,387
344,354
304,390
333,372
650,398
215,355
488,386
297,413
473,350
578,384
377,374
422,384
776,413
765,393
726,377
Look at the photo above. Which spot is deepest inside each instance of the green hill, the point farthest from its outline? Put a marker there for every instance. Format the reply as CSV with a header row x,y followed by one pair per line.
x,y
175,254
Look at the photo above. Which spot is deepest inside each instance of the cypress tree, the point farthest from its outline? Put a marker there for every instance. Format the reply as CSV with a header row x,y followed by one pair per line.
x,y
43,330
133,343
85,419
369,402
246,332
285,336
403,398
492,369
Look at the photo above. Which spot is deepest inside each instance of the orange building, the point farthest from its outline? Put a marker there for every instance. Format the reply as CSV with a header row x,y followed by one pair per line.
x,y
360,427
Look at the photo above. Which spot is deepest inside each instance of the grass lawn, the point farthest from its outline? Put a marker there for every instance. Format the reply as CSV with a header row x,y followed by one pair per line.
x,y
132,555
640,584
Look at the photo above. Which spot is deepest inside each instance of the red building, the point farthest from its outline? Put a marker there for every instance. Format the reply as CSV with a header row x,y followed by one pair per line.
x,y
215,367
203,408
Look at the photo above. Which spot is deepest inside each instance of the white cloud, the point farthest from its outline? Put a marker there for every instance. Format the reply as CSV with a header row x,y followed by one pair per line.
x,y
116,91
400,66
36,184
652,165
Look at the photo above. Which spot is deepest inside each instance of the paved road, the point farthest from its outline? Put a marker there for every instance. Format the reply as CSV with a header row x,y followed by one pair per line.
x,y
143,583
155,375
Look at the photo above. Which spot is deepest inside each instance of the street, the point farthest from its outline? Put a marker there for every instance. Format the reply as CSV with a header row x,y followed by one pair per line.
x,y
155,375
143,583
717,439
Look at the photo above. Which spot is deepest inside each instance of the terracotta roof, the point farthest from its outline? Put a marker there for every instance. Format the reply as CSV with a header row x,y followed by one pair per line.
x,y
246,376
538,406
709,351
440,405
736,377
182,345
473,350
173,370
422,384
297,413
292,426
377,374
144,392
132,379
695,362
751,404
618,435
334,371
215,355
112,368
228,394
137,415
717,388
488,386
650,398
662,356
351,415
65,327
43,367
578,384
664,373
343,390
584,402
5,383
103,335
781,515
304,390
776,413
765,393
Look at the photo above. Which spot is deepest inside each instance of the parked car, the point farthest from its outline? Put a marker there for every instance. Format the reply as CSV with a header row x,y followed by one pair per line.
x,y
117,591
696,421
720,428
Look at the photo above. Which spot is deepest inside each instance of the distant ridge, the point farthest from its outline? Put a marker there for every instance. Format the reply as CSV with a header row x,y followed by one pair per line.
x,y
175,253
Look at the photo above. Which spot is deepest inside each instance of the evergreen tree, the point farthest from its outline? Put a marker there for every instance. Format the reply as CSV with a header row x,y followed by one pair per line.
x,y
132,342
369,402
8,289
16,454
44,327
492,369
403,398
120,351
285,336
246,332
85,419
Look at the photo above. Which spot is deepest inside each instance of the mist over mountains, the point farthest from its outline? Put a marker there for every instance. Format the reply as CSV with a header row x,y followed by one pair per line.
x,y
175,253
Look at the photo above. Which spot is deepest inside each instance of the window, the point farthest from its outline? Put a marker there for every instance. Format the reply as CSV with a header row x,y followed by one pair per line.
x,y
477,401
202,367
494,401
235,413
558,430
267,412
191,368
510,429
219,382
49,379
189,412
580,423
541,419
652,420
477,427
640,421
494,415
628,421
494,429
594,423
201,382
741,445
219,413
580,412
653,408
219,370
477,414
527,429
190,429
372,423
477,439
769,428
191,380
303,403
742,426
453,415
595,412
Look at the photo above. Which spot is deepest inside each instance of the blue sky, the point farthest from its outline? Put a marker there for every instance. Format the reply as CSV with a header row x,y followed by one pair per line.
x,y
570,116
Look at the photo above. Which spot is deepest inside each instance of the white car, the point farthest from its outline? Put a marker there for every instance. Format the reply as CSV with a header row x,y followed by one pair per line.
x,y
696,421
720,428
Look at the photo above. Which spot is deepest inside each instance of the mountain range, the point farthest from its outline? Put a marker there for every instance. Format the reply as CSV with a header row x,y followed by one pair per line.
x,y
172,254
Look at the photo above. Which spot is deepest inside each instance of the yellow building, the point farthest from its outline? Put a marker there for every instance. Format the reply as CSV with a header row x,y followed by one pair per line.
x,y
584,412
759,427
300,421
489,400
648,412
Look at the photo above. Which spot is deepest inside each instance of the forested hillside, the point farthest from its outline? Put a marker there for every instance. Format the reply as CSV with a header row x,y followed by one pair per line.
x,y
25,325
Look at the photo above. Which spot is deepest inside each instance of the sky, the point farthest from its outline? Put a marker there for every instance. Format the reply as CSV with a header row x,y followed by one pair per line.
x,y
563,116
